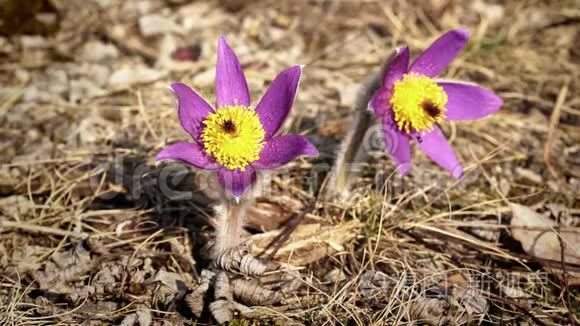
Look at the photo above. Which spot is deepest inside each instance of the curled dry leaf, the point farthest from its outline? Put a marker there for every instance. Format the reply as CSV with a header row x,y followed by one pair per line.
x,y
538,236
222,311
222,287
251,292
252,266
195,300
231,258
309,242
239,259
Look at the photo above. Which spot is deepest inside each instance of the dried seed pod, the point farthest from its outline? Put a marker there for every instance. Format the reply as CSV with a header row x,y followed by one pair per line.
x,y
251,266
195,300
251,292
222,287
222,311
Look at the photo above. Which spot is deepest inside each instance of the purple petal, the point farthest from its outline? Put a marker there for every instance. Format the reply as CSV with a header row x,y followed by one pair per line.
x,y
435,145
237,181
397,145
192,109
395,68
283,149
231,87
192,154
469,101
380,102
275,105
440,54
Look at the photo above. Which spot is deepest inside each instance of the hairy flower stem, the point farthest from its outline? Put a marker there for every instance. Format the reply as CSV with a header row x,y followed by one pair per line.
x,y
354,150
353,147
231,216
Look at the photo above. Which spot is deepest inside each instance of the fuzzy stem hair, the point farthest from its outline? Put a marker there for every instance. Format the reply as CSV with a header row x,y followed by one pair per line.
x,y
351,152
352,147
230,221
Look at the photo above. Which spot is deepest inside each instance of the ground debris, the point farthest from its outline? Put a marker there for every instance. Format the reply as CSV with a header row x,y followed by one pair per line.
x,y
430,310
85,108
308,243
538,236
453,299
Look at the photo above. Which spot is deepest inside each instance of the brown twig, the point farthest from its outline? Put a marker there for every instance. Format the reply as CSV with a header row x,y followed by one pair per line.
x,y
524,310
554,120
291,224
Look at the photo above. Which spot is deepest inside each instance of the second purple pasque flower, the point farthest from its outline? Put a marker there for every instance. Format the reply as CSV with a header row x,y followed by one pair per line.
x,y
411,103
235,138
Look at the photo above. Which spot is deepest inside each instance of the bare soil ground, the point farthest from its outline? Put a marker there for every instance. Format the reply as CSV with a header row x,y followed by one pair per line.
x,y
89,235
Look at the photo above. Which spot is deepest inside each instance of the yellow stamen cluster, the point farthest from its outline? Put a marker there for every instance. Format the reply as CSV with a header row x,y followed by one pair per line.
x,y
234,136
418,103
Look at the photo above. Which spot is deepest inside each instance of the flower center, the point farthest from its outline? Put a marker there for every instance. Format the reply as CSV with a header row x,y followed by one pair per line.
x,y
418,103
234,136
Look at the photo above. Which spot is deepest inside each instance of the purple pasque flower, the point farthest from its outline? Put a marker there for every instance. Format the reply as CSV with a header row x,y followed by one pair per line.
x,y
410,102
235,138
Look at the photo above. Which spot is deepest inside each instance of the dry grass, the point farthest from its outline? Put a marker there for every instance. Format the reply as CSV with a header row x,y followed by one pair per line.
x,y
78,169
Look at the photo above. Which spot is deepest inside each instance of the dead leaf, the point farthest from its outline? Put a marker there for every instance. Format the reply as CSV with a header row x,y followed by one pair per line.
x,y
308,243
538,237
270,214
